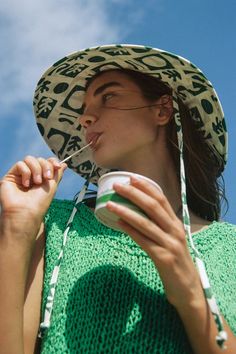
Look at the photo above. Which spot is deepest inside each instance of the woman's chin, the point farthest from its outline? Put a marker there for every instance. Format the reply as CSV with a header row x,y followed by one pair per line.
x,y
107,159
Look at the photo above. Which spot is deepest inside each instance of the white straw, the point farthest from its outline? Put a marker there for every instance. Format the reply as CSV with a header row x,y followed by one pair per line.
x,y
76,152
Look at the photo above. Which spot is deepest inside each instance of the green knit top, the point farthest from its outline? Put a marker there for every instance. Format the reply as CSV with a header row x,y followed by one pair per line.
x,y
109,297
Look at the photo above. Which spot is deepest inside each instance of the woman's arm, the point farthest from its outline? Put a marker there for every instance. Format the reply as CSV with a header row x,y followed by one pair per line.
x,y
201,328
15,259
33,296
162,237
26,192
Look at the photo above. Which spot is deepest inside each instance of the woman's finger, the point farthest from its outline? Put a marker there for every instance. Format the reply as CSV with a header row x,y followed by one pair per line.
x,y
24,172
35,167
19,174
56,164
152,207
34,171
154,192
143,225
47,168
148,245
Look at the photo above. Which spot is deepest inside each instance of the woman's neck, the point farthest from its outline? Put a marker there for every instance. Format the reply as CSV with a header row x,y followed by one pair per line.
x,y
160,168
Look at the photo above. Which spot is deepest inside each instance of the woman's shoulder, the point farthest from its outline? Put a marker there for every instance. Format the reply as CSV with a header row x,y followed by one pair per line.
x,y
199,225
217,239
218,228
214,238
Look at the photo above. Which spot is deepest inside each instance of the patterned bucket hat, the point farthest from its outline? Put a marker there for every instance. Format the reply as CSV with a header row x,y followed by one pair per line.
x,y
60,93
58,104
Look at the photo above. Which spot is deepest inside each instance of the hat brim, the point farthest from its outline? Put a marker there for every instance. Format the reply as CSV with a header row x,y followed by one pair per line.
x,y
60,93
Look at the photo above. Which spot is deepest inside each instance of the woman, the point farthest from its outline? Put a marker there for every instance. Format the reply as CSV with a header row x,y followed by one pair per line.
x,y
137,291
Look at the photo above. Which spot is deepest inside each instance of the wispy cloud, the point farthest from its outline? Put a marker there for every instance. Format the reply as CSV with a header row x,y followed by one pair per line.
x,y
34,34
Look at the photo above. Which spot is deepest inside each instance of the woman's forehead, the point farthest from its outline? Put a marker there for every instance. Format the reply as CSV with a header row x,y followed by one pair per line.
x,y
116,77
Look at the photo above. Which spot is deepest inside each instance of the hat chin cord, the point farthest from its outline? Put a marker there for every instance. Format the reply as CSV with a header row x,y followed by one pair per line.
x,y
222,334
45,324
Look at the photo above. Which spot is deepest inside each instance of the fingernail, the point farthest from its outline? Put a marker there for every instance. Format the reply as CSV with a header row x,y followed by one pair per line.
x,y
56,164
48,174
38,179
134,179
27,183
110,205
116,184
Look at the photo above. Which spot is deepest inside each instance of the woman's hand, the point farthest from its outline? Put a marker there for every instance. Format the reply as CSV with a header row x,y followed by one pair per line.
x,y
29,186
162,237
26,192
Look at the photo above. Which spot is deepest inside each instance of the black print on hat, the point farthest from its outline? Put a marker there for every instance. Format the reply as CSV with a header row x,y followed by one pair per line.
x,y
141,49
72,100
73,70
106,66
96,59
176,58
219,128
45,107
118,50
41,128
67,118
61,87
84,169
67,69
155,62
172,74
207,106
43,85
62,139
74,143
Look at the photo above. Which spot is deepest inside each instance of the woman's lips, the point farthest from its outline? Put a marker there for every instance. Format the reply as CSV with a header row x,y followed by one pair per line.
x,y
93,137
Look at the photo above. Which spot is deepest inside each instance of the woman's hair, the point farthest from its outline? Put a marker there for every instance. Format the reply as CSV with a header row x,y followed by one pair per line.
x,y
204,182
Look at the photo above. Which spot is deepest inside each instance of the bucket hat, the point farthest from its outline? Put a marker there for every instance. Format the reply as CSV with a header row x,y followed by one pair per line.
x,y
58,103
59,96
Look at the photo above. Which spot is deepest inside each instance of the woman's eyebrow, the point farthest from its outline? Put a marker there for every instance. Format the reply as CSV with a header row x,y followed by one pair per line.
x,y
101,88
104,86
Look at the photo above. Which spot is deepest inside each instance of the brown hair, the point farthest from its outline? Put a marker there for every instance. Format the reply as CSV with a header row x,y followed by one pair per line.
x,y
204,181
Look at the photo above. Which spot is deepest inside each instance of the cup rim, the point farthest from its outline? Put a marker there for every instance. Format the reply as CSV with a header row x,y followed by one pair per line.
x,y
127,173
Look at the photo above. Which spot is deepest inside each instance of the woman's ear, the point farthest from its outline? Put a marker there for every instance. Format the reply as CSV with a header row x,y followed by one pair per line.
x,y
164,110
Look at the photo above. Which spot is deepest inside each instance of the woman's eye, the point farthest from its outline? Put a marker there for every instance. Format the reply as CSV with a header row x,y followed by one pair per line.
x,y
107,96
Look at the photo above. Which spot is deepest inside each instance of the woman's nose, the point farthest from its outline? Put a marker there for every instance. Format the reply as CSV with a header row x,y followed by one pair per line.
x,y
86,120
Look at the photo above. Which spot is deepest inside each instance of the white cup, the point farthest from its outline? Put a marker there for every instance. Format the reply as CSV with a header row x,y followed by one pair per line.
x,y
106,193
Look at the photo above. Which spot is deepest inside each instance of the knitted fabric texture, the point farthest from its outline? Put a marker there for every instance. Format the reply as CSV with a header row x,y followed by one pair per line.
x,y
109,297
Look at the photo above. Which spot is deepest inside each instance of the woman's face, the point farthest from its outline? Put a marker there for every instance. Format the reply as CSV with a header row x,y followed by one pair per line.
x,y
120,136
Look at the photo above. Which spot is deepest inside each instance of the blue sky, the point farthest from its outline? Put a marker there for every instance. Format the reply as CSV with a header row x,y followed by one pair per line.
x,y
34,34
